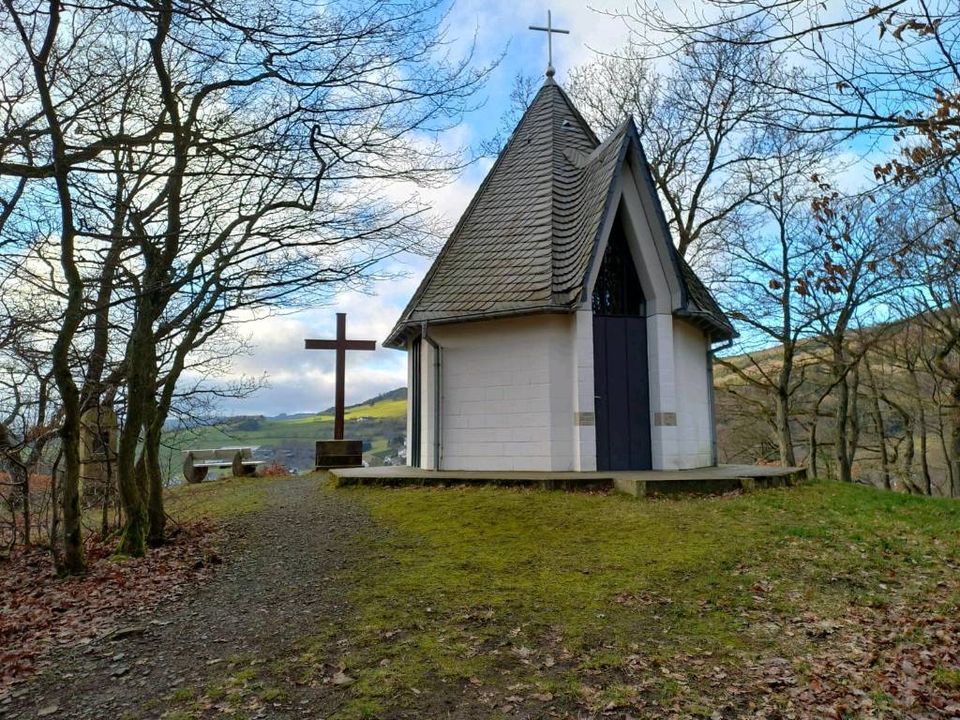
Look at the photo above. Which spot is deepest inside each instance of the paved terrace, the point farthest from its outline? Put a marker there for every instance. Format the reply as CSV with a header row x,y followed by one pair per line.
x,y
709,480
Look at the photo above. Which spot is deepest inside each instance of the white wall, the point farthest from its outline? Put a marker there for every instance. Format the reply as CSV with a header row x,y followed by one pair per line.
x,y
517,394
507,397
584,408
693,444
663,392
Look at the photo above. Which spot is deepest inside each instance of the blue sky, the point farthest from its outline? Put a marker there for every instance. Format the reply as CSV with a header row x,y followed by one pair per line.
x,y
302,381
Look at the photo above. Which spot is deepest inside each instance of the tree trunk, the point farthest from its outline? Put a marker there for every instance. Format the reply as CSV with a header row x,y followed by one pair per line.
x,y
72,560
878,423
26,507
907,452
784,435
853,415
812,470
154,477
131,490
842,419
945,448
107,494
55,511
954,457
922,430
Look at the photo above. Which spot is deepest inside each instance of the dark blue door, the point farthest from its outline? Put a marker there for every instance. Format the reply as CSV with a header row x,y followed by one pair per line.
x,y
622,390
621,383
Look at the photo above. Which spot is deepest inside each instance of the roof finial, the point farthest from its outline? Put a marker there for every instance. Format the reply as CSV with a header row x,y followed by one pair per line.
x,y
549,30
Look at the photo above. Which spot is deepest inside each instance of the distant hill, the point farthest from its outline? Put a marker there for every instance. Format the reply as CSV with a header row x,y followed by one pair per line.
x,y
389,396
288,440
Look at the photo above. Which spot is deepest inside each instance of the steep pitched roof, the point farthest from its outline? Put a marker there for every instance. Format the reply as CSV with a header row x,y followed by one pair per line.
x,y
526,241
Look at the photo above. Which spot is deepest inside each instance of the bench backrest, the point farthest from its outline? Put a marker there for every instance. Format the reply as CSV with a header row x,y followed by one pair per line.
x,y
227,454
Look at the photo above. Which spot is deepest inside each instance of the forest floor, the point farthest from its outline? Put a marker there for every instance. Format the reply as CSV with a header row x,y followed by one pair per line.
x,y
810,602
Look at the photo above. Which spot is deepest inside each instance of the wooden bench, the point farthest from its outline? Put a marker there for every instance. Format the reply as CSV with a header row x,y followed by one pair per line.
x,y
196,463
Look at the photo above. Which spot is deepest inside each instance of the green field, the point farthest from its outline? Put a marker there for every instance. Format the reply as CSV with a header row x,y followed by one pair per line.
x,y
395,408
379,422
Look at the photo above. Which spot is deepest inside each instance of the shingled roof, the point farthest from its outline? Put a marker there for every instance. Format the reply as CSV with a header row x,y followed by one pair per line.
x,y
526,241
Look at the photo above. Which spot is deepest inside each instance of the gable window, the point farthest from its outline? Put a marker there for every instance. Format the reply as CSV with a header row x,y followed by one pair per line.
x,y
617,290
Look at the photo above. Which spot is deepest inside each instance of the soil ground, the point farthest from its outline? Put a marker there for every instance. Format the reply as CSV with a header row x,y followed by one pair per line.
x,y
278,585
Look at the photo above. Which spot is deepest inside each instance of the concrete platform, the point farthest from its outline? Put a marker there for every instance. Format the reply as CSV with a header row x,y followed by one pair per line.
x,y
710,480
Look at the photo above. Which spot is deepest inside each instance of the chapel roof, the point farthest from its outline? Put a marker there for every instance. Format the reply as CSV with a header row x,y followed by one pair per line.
x,y
527,239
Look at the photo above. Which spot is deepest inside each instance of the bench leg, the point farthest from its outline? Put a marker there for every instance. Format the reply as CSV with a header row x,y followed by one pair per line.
x,y
198,475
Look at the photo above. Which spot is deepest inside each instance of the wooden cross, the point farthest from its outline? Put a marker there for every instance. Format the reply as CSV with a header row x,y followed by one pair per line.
x,y
341,345
549,30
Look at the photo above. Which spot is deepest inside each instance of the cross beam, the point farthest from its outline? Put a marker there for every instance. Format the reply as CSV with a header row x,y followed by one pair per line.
x,y
549,30
341,345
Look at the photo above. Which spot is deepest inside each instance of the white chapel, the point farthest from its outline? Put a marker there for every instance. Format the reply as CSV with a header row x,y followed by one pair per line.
x,y
559,329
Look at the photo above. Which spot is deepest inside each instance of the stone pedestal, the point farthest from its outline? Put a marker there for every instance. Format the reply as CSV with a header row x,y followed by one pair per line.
x,y
339,454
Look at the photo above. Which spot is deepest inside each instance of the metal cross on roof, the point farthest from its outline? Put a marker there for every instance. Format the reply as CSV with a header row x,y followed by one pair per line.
x,y
549,30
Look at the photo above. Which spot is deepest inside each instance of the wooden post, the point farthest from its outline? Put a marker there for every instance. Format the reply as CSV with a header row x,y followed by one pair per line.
x,y
339,401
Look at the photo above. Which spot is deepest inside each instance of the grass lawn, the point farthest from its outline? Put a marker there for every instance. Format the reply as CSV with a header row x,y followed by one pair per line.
x,y
822,600
218,499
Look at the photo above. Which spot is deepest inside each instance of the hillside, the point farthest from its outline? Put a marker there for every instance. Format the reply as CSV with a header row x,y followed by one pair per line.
x,y
289,440
899,415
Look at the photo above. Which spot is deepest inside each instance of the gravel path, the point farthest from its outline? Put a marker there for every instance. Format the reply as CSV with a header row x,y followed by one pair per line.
x,y
278,586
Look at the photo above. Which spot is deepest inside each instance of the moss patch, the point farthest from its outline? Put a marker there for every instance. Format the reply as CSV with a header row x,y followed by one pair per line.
x,y
529,601
219,499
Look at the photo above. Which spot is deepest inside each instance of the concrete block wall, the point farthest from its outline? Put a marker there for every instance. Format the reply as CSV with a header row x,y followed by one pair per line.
x,y
507,401
518,394
694,436
663,391
584,425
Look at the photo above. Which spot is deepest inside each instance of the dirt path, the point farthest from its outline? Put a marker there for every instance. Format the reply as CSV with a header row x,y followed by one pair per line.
x,y
276,588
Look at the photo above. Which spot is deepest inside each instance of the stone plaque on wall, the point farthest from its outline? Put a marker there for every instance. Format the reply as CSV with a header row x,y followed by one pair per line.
x,y
665,419
584,418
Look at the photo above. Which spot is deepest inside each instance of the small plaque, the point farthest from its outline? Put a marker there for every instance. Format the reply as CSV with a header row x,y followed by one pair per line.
x,y
585,418
665,419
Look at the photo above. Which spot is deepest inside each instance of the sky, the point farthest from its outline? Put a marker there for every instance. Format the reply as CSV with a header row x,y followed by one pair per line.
x,y
303,381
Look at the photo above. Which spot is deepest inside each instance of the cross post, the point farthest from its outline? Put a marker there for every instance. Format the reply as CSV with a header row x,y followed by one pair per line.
x,y
549,30
341,345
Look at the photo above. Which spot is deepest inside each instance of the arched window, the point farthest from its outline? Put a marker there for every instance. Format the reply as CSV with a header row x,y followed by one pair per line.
x,y
617,290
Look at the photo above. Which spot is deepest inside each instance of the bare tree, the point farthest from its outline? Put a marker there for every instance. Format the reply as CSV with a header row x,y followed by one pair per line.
x,y
225,159
28,410
774,262
936,265
856,269
704,121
